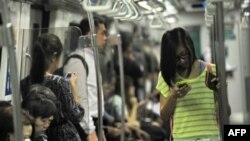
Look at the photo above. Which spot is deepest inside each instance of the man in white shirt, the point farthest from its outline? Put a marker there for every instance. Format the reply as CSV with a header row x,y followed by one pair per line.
x,y
87,85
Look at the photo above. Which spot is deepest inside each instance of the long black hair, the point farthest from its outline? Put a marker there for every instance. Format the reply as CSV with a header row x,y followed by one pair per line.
x,y
46,47
170,41
40,102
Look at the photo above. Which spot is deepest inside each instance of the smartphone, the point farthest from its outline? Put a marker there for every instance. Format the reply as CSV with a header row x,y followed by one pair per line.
x,y
181,85
67,76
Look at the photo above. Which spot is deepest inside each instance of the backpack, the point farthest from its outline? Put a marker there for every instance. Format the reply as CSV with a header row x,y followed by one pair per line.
x,y
59,71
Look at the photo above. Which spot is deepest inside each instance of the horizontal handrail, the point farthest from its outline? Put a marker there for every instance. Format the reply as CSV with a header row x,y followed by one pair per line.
x,y
94,8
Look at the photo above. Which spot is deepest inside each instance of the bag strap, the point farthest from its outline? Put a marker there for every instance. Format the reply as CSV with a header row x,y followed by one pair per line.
x,y
77,57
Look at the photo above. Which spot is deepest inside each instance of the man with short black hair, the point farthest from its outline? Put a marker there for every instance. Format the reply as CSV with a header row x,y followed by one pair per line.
x,y
87,83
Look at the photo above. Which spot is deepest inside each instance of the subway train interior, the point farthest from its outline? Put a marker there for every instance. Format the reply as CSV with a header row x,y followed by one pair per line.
x,y
124,70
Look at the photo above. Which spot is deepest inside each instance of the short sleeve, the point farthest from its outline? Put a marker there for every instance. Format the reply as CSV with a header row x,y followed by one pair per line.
x,y
162,86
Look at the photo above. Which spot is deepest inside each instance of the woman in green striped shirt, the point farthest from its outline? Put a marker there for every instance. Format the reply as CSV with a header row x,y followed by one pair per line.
x,y
185,99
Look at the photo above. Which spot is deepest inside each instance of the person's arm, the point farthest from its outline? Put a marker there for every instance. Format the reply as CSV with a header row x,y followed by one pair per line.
x,y
132,116
92,136
168,103
92,86
167,106
73,86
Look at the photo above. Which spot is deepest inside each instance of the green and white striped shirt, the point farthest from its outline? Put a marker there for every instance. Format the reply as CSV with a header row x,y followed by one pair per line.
x,y
194,115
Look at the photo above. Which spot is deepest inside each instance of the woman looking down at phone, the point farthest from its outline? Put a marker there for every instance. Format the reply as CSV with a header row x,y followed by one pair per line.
x,y
185,98
45,59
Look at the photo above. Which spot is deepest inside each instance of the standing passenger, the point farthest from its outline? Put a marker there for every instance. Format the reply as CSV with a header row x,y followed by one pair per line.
x,y
184,96
89,97
45,57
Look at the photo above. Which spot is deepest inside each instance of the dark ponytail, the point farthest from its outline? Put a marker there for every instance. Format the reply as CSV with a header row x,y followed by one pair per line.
x,y
38,63
47,47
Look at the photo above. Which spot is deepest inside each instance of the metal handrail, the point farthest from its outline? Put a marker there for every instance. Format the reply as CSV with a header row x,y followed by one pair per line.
x,y
98,79
134,12
127,13
8,32
114,9
217,27
91,8
121,70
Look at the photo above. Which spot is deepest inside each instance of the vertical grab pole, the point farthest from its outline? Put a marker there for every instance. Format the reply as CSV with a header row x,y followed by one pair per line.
x,y
220,67
8,30
98,74
120,56
213,31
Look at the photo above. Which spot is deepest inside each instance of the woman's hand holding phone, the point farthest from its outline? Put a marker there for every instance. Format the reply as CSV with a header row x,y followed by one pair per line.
x,y
72,77
181,90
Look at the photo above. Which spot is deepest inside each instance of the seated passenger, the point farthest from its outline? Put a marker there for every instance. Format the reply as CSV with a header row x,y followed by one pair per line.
x,y
45,58
132,125
7,125
39,102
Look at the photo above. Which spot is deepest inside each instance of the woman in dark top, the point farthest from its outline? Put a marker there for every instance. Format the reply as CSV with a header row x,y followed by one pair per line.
x,y
45,57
